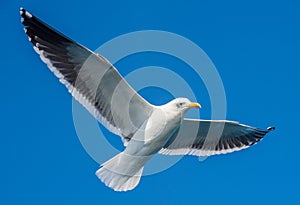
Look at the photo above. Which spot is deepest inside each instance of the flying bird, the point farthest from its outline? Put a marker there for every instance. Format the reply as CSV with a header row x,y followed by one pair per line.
x,y
145,129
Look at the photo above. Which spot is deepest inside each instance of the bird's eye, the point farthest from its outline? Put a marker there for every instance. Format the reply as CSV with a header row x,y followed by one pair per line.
x,y
179,105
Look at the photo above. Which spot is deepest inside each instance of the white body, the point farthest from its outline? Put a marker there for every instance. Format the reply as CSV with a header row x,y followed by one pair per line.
x,y
123,172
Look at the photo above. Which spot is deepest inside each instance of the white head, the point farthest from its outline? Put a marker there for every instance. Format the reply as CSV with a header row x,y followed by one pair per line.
x,y
182,105
171,113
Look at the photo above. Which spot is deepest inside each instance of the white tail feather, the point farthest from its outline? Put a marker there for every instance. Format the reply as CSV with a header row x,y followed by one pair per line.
x,y
123,172
118,182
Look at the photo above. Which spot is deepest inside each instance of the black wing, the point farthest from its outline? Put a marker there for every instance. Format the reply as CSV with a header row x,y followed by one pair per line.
x,y
210,137
89,77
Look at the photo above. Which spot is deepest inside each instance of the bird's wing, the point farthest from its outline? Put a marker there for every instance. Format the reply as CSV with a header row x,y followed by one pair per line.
x,y
89,77
210,137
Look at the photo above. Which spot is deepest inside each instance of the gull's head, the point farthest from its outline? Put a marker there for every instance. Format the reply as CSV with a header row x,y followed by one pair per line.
x,y
182,104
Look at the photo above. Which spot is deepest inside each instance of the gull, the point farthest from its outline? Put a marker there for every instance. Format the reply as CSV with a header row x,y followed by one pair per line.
x,y
145,129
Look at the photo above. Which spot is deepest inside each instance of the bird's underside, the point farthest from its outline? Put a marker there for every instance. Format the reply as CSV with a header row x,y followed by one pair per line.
x,y
97,85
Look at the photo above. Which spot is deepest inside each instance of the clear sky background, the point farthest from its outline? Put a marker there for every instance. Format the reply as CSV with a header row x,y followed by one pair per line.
x,y
255,47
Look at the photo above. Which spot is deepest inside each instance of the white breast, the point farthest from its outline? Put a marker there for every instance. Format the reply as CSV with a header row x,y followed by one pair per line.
x,y
151,137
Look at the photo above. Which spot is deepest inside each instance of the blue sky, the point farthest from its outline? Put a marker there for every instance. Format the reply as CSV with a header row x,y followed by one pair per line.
x,y
255,47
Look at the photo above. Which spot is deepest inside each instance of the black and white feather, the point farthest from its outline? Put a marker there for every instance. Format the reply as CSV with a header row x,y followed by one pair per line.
x,y
211,137
89,77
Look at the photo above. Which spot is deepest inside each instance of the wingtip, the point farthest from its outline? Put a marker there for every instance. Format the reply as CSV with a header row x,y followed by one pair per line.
x,y
22,10
271,128
25,13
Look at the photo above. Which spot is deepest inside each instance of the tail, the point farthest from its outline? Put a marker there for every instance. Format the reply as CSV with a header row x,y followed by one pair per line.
x,y
123,172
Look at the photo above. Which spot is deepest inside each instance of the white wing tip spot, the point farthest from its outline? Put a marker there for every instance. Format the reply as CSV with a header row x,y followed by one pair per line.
x,y
26,13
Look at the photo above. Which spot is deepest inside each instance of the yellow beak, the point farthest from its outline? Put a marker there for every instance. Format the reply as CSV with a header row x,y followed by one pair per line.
x,y
194,105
